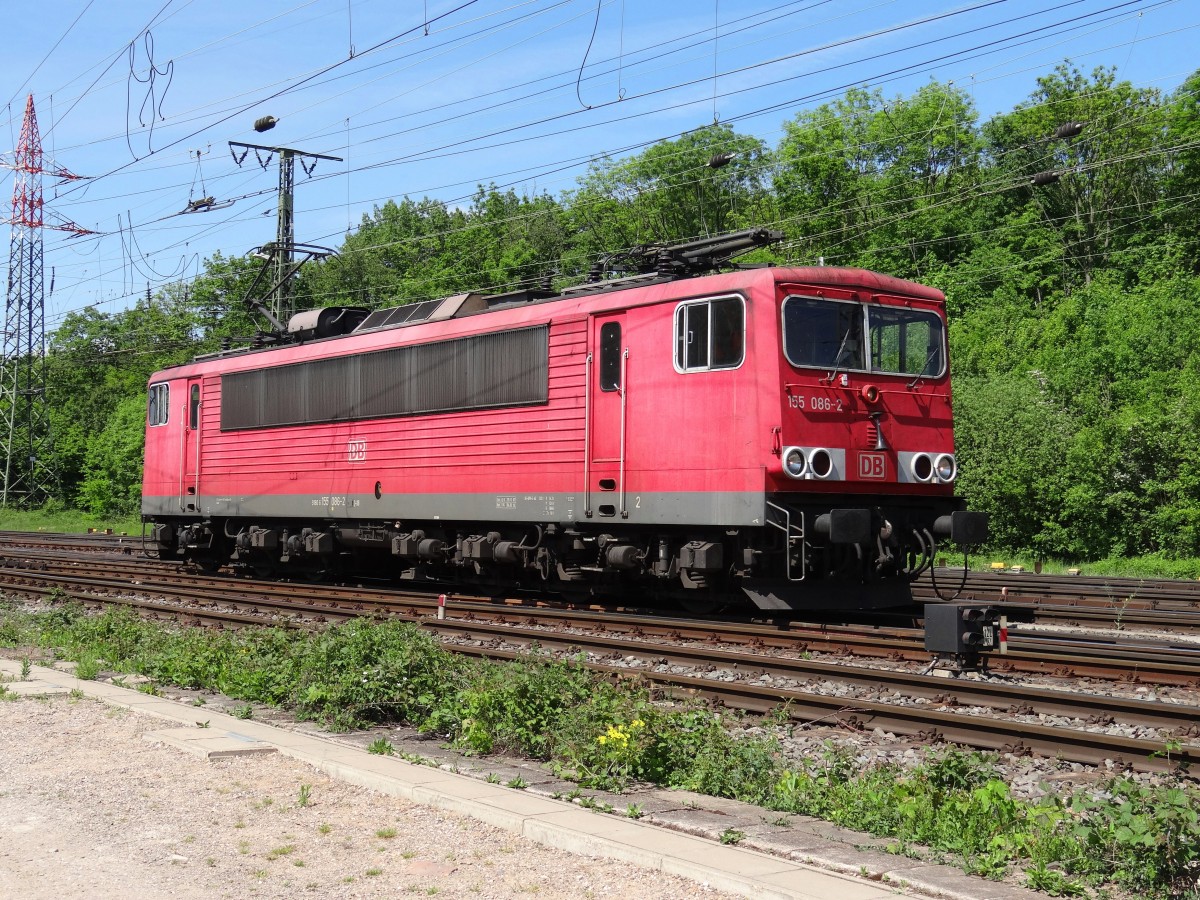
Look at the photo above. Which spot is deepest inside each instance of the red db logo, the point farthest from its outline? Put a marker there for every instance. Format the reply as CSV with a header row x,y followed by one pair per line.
x,y
872,465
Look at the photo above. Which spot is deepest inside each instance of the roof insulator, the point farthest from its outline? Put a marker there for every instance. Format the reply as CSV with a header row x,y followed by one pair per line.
x,y
721,159
266,123
1069,129
1041,179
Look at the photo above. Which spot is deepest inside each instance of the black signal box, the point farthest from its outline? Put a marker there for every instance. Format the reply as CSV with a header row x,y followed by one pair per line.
x,y
962,629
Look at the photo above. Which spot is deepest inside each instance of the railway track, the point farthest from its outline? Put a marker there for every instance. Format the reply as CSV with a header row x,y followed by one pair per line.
x,y
710,659
1119,657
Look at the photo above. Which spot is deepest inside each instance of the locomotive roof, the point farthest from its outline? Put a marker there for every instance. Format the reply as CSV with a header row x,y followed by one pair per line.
x,y
654,288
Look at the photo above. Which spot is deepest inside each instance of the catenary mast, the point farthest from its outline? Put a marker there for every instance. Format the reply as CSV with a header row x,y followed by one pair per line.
x,y
25,439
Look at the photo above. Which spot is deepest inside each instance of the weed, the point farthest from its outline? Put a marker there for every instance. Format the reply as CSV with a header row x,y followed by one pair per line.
x,y
203,724
305,796
381,746
587,802
298,863
373,872
386,833
324,828
264,803
26,666
242,711
277,852
239,824
198,701
87,667
212,861
243,847
492,778
408,854
732,836
76,694
260,873
633,811
518,782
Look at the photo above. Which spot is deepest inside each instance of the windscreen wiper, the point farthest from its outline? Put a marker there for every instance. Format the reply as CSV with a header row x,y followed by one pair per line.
x,y
933,354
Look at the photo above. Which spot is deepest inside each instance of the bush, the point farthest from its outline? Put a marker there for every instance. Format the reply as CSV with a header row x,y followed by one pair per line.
x,y
364,672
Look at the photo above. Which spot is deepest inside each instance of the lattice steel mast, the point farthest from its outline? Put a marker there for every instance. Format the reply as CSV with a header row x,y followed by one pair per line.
x,y
25,439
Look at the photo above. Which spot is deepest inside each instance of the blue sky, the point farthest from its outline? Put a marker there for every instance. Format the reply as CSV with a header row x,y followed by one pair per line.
x,y
431,97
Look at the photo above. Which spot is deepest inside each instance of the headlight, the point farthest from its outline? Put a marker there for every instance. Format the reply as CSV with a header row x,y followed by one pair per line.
x,y
921,467
820,462
794,462
945,467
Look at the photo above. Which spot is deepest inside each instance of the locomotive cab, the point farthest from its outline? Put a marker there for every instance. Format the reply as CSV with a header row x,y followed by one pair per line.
x,y
862,487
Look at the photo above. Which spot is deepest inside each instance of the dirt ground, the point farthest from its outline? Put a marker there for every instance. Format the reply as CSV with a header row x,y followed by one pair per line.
x,y
88,808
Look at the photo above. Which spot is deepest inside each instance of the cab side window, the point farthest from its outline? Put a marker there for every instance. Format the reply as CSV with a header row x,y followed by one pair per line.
x,y
194,408
710,334
159,402
610,356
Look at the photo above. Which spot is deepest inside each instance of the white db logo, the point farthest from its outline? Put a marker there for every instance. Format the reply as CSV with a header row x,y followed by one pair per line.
x,y
872,465
356,451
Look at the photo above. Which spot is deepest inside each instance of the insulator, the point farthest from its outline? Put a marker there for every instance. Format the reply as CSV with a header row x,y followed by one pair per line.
x,y
266,123
721,159
1069,129
1041,179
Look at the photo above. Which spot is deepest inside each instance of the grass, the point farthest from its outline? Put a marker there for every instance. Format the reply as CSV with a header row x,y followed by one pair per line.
x,y
66,521
1109,567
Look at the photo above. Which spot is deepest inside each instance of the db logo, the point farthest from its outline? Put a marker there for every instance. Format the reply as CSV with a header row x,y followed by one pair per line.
x,y
872,465
356,451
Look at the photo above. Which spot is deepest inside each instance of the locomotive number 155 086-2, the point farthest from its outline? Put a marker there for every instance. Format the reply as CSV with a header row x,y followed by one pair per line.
x,y
815,403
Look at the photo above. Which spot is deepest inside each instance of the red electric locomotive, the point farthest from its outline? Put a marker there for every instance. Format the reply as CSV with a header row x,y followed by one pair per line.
x,y
781,434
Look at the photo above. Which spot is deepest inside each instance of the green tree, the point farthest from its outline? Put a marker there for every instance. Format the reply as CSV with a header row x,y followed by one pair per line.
x,y
866,181
669,192
112,479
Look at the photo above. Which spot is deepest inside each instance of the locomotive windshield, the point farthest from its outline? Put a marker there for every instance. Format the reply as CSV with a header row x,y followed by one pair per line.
x,y
906,341
823,333
835,335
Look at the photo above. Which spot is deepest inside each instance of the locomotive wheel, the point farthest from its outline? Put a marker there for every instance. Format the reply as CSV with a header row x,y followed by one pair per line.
x,y
263,570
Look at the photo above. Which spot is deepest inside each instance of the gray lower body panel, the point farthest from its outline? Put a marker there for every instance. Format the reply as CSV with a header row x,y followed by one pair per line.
x,y
729,509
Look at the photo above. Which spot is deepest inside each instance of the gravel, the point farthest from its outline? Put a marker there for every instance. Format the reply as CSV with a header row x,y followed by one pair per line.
x,y
88,808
